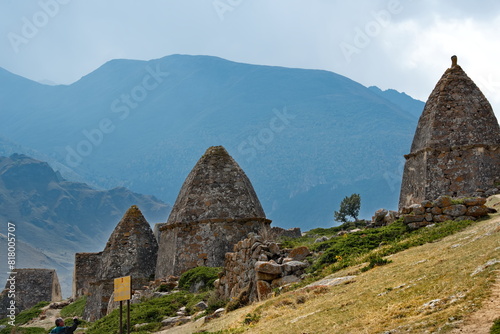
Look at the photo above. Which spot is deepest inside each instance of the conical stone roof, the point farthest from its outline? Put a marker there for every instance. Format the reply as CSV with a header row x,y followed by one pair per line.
x,y
131,248
216,188
456,114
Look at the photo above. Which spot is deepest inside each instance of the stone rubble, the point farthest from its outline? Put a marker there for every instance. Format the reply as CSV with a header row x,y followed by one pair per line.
x,y
256,267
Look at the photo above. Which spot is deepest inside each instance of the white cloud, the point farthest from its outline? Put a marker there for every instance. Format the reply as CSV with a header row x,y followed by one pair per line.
x,y
424,51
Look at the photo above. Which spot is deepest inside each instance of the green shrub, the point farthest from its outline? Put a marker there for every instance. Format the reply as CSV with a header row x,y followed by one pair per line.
x,y
206,275
214,302
251,318
151,311
23,330
74,309
495,329
342,252
26,315
358,243
374,261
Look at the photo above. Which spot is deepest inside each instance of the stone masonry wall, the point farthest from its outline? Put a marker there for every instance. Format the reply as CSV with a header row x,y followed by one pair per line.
x,y
185,246
86,268
442,209
450,171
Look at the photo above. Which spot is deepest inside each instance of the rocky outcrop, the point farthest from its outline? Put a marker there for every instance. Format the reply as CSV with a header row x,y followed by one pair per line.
x,y
30,286
456,147
256,267
216,207
131,251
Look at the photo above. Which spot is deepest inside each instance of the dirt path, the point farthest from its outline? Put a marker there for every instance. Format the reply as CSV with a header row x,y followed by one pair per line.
x,y
50,316
481,321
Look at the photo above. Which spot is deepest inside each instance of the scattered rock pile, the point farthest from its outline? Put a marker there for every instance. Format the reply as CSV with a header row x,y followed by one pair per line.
x,y
256,267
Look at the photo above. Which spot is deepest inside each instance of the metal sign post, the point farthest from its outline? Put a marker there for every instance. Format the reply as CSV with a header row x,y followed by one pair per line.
x,y
123,291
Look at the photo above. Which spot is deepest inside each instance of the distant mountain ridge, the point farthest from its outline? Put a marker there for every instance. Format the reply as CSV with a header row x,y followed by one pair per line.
x,y
58,218
402,100
305,138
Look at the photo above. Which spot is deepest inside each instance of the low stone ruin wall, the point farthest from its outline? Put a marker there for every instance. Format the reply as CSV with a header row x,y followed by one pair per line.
x,y
278,232
257,266
86,269
430,212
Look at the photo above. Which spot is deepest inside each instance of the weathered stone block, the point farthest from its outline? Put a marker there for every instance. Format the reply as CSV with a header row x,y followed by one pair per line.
x,y
263,258
274,248
428,217
413,218
442,218
455,210
417,209
436,210
427,204
474,201
264,290
299,253
266,276
293,267
268,268
405,210
379,215
443,201
477,211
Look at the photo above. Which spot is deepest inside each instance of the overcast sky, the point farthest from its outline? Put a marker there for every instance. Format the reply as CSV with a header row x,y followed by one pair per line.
x,y
405,45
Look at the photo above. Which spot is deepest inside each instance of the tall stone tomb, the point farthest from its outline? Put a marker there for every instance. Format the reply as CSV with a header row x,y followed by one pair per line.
x,y
456,148
216,207
131,251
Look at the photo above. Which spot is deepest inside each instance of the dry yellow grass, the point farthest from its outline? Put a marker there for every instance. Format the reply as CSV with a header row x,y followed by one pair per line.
x,y
426,289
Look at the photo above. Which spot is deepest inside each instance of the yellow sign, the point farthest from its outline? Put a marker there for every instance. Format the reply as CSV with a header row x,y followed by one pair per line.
x,y
123,289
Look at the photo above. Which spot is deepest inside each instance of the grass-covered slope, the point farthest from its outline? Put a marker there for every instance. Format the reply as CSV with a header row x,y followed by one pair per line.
x,y
432,287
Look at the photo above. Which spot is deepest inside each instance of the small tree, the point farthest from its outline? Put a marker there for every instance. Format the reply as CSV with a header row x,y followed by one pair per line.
x,y
349,206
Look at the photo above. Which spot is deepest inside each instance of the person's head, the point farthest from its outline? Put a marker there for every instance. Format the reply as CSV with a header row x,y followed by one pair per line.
x,y
59,322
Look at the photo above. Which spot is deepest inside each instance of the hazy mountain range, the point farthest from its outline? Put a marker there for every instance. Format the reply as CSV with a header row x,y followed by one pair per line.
x,y
305,138
55,218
